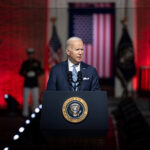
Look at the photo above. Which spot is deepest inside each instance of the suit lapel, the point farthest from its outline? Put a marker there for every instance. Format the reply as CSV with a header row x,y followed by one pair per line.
x,y
83,71
65,72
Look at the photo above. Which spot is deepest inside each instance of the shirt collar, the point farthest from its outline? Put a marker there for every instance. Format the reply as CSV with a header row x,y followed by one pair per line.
x,y
70,66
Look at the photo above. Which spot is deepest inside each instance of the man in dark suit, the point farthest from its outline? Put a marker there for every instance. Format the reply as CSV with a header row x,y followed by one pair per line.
x,y
62,78
62,75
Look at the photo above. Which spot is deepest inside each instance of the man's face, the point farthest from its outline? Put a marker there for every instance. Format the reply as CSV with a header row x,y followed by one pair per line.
x,y
75,53
31,56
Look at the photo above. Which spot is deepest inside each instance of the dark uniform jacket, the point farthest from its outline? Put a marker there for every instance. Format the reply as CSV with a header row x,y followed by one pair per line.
x,y
34,66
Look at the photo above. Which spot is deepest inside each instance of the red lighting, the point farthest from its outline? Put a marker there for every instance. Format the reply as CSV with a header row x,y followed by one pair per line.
x,y
22,25
142,42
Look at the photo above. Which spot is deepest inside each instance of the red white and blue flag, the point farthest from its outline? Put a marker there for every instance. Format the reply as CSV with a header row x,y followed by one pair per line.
x,y
96,31
53,53
55,49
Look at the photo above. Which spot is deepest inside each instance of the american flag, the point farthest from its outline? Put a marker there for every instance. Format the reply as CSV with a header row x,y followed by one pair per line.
x,y
55,51
96,31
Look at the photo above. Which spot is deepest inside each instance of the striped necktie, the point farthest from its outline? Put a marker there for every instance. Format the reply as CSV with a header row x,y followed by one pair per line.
x,y
74,77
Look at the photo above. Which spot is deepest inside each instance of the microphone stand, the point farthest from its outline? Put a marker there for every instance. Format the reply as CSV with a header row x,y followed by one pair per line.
x,y
70,80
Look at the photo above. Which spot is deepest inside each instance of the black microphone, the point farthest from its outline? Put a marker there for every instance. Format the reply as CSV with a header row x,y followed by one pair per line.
x,y
69,75
79,77
70,80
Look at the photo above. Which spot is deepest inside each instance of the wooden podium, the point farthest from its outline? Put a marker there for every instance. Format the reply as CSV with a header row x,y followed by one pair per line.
x,y
63,128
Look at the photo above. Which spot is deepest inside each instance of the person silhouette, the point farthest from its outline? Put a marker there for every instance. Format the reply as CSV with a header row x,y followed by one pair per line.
x,y
30,70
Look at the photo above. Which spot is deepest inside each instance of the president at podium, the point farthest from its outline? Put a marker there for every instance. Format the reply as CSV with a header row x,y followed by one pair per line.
x,y
73,88
73,74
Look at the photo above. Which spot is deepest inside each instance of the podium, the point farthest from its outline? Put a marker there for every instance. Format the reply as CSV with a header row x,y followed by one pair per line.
x,y
58,127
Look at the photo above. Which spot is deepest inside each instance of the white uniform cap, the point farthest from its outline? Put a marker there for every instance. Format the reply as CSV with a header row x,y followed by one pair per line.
x,y
30,50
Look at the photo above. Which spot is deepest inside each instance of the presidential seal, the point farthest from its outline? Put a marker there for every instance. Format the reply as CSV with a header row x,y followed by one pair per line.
x,y
75,109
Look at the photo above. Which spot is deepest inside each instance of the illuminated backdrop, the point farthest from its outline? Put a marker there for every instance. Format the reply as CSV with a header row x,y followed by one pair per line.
x,y
22,25
142,39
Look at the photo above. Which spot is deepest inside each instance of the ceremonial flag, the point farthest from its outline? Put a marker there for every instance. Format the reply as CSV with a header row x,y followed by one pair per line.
x,y
53,53
55,50
125,55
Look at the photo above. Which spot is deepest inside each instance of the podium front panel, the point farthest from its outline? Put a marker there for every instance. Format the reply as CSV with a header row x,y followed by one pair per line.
x,y
53,122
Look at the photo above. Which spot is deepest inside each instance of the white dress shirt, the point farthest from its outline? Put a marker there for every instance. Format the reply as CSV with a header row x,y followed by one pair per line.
x,y
70,65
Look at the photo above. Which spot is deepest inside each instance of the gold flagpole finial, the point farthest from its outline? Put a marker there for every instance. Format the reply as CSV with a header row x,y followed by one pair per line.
x,y
124,20
53,20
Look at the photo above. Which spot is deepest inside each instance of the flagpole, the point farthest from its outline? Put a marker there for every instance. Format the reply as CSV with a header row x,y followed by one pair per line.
x,y
125,9
125,18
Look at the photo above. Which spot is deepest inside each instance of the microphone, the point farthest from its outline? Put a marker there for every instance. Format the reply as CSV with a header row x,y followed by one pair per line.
x,y
79,77
69,75
70,80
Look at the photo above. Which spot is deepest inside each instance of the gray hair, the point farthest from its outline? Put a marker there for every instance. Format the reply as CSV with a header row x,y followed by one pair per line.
x,y
68,42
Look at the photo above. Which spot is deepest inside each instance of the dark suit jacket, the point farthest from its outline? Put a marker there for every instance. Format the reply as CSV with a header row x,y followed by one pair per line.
x,y
58,79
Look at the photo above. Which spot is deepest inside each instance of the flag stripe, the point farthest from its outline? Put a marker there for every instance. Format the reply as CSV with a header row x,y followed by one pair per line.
x,y
94,40
100,70
104,45
98,38
111,46
107,50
